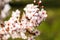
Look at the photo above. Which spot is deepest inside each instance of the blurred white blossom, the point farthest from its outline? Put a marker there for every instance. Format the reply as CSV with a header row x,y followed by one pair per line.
x,y
5,11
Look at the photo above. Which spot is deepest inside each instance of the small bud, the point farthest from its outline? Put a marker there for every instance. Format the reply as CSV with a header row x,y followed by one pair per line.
x,y
34,1
39,2
42,6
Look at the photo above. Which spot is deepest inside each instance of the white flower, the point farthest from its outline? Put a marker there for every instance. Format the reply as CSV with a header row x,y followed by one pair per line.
x,y
23,35
40,1
31,38
15,35
37,32
6,36
34,1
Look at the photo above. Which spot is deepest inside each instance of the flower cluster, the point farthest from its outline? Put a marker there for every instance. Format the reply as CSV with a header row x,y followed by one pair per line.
x,y
17,27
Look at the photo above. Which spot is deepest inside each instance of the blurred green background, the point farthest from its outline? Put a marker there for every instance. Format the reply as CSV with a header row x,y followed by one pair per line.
x,y
50,28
